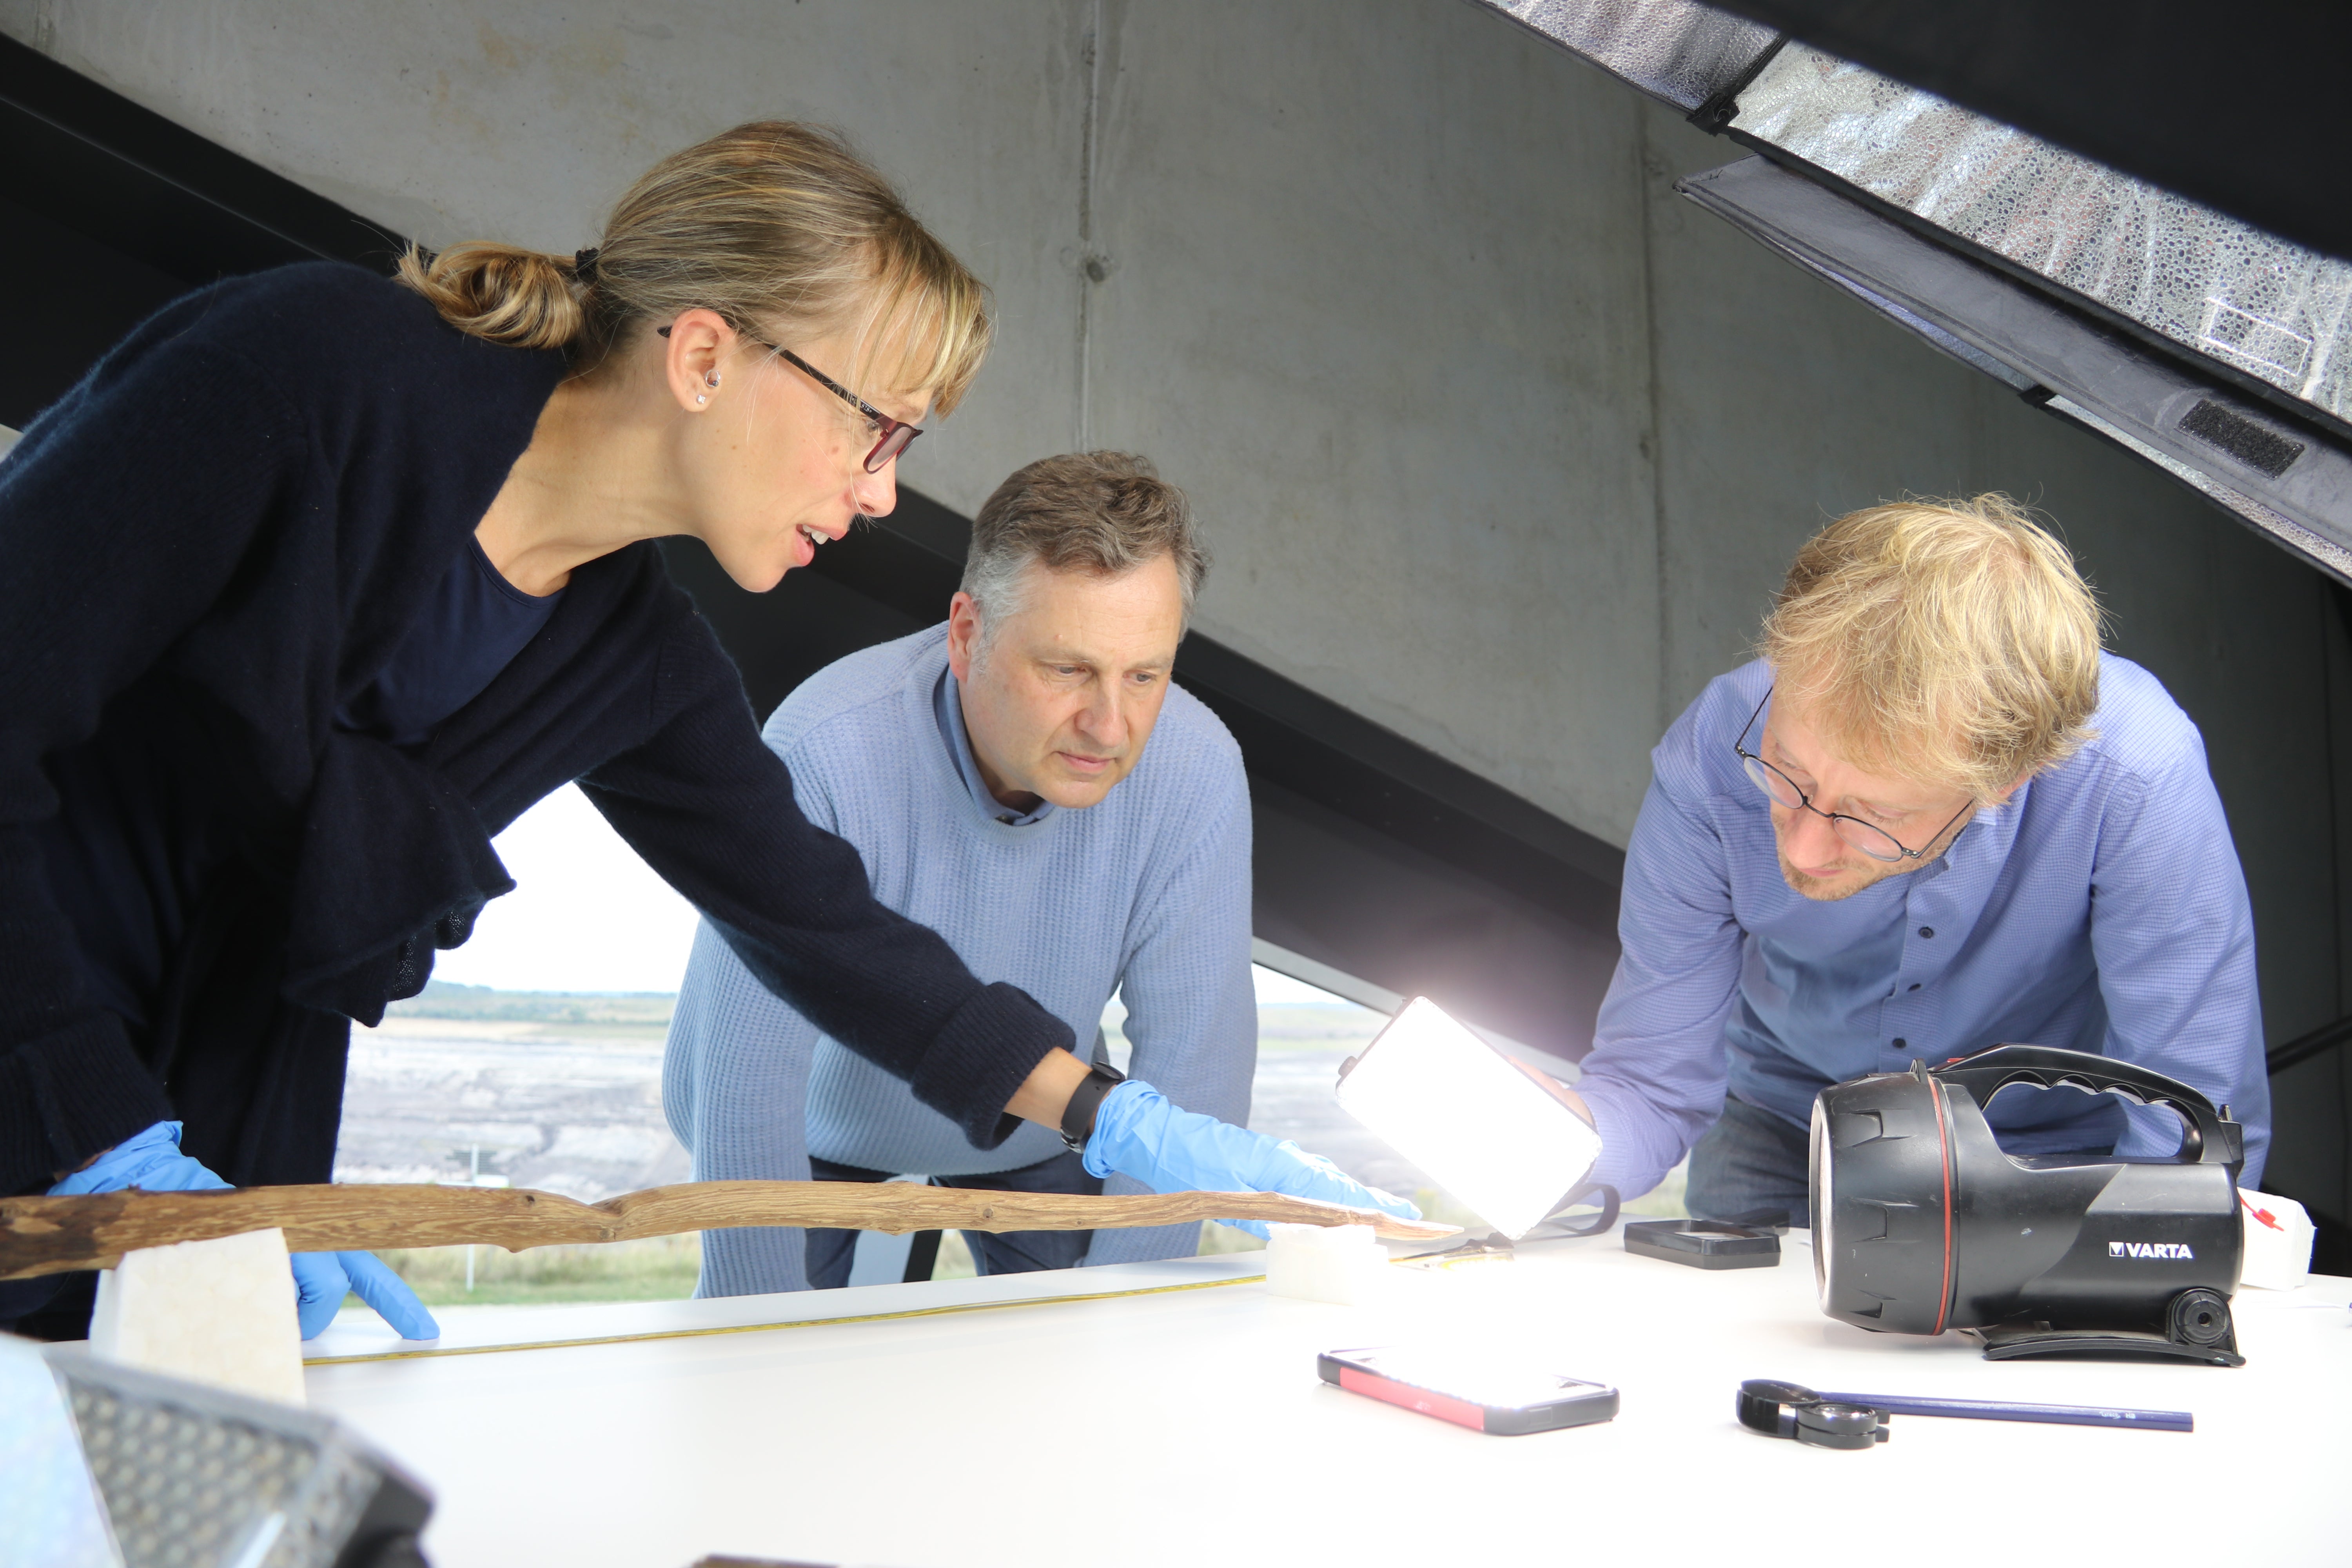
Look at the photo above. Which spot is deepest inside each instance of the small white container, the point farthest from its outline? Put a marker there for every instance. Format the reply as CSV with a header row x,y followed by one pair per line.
x,y
1337,1263
2278,1241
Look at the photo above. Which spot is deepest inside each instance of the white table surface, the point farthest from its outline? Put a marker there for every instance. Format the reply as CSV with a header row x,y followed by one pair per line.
x,y
1188,1425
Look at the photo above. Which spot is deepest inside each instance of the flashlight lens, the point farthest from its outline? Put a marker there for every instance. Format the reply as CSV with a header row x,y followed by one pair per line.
x,y
1817,1191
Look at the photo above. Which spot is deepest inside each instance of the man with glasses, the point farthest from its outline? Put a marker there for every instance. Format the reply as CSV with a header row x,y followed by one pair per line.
x,y
1933,817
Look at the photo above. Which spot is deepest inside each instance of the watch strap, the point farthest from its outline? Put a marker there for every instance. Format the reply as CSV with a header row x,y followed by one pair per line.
x,y
1078,1115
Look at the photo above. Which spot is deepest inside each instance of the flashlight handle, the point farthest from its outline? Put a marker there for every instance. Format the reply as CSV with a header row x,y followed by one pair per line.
x,y
2208,1139
1991,1410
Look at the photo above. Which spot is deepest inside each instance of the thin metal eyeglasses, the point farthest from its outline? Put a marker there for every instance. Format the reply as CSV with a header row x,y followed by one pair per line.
x,y
893,435
1872,841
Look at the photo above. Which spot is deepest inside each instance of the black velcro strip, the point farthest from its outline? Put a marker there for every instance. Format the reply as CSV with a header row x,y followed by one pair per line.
x,y
2266,451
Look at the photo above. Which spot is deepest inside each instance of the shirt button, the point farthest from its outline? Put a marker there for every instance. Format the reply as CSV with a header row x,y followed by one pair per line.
x,y
1927,931
1901,1044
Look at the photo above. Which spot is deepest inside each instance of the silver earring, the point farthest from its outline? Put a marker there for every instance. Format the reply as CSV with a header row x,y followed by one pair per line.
x,y
699,398
712,381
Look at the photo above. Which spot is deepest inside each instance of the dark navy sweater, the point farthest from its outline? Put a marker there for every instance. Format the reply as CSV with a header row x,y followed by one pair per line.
x,y
472,627
219,539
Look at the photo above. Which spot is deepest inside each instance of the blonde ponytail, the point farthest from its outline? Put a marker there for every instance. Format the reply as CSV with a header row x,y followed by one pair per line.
x,y
779,227
523,299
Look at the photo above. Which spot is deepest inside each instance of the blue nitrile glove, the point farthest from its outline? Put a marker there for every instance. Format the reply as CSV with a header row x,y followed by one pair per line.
x,y
152,1162
1140,1133
322,1279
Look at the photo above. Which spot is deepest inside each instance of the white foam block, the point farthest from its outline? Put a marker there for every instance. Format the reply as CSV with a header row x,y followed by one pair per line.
x,y
2279,1235
212,1311
1336,1263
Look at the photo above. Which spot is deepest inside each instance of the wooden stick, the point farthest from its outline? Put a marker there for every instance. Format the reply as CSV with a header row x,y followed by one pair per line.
x,y
52,1236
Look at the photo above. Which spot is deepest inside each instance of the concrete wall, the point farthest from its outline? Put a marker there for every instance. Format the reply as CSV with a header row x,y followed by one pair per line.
x,y
1502,445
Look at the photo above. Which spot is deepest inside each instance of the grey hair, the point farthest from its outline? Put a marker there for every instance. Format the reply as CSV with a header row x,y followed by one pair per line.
x,y
1105,512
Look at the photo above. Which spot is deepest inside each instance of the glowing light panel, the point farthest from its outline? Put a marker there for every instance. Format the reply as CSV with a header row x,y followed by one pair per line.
x,y
1466,1113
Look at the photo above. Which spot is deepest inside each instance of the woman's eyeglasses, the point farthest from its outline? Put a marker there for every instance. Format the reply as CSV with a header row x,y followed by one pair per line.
x,y
892,435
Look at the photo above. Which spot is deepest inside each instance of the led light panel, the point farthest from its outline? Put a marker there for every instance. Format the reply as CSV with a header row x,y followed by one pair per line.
x,y
1464,1112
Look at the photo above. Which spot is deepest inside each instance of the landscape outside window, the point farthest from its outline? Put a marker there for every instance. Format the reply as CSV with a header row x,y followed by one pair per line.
x,y
534,1060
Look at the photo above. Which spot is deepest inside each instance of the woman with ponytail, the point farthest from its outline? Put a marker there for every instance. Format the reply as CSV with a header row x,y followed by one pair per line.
x,y
317,581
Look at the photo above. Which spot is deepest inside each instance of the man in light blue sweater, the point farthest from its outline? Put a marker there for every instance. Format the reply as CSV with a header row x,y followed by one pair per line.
x,y
992,772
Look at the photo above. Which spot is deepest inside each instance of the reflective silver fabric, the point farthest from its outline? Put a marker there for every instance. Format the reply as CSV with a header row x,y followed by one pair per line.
x,y
2288,531
1672,50
2270,310
2295,487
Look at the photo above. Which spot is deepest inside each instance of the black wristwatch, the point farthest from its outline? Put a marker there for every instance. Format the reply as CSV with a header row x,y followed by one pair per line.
x,y
1078,1116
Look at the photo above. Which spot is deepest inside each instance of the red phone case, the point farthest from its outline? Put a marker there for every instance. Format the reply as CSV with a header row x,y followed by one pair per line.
x,y
1578,1403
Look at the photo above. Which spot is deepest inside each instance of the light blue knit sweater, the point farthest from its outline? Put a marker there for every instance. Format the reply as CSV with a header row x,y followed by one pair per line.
x,y
1147,893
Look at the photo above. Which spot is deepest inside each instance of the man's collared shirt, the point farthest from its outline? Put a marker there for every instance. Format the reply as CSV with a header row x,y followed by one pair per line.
x,y
947,706
2102,908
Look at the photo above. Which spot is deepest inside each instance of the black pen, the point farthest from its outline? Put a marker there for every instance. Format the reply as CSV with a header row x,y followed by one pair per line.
x,y
1991,1410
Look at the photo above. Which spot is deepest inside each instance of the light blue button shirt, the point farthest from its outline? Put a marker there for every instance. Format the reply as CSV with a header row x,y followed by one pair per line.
x,y
2102,908
947,706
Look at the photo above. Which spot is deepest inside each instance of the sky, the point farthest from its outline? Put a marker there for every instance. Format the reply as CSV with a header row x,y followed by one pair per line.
x,y
587,915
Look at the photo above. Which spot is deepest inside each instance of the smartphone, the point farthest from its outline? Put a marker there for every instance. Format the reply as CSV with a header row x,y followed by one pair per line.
x,y
1483,1394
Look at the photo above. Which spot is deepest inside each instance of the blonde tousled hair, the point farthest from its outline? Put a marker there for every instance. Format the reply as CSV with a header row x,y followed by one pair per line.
x,y
1951,642
777,226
